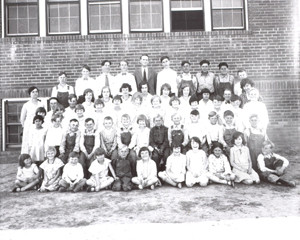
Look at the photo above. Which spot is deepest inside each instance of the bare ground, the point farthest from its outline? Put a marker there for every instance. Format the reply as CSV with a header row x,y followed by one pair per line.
x,y
32,210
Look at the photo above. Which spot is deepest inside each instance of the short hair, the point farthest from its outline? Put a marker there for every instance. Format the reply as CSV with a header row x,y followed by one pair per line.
x,y
73,155
89,119
59,108
99,151
175,144
99,101
204,61
141,84
268,142
217,145
163,58
143,149
165,85
117,97
236,135
105,61
221,64
125,85
22,158
227,89
212,114
184,62
253,115
53,98
144,55
88,90
40,109
246,81
197,140
193,98
101,95
228,113
205,90
51,149
241,70
158,116
218,98
31,89
195,112
125,61
125,115
55,116
85,66
141,117
79,107
183,86
73,120
71,96
137,95
154,97
108,118
173,99
255,90
175,114
62,73
39,118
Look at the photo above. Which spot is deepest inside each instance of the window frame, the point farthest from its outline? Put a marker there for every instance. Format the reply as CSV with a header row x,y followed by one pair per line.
x,y
187,9
5,14
146,30
244,8
47,19
104,32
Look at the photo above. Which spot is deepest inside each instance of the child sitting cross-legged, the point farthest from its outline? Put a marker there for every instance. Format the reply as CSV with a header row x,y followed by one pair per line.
x,y
99,170
146,171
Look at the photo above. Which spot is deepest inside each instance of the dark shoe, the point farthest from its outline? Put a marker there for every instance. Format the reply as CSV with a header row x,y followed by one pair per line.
x,y
232,184
62,189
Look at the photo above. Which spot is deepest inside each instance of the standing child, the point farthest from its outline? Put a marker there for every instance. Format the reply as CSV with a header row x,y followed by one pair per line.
x,y
205,104
51,171
218,166
156,109
72,177
173,108
241,162
37,140
108,137
228,131
165,91
146,171
99,170
196,164
214,131
99,114
88,102
175,168
80,116
27,175
272,167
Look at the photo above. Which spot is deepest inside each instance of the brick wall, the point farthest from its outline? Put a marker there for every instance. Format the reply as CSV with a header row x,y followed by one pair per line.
x,y
269,51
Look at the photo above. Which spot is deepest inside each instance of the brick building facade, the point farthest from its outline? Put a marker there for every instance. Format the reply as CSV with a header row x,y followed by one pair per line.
x,y
268,49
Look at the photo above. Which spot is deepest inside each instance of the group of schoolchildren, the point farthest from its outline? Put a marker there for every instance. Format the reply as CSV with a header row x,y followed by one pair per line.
x,y
137,131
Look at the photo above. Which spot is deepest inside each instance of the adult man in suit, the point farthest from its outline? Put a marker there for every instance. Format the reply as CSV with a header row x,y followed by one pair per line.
x,y
144,73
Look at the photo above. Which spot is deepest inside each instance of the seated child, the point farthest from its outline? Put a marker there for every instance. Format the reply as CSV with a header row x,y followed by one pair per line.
x,y
72,177
122,167
175,167
51,171
89,142
228,131
272,167
159,143
146,171
214,131
219,170
178,133
99,170
108,137
70,141
28,174
241,162
196,164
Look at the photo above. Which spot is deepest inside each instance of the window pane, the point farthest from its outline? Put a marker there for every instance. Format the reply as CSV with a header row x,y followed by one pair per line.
x,y
216,3
187,20
21,1
238,3
146,15
237,18
217,18
33,25
226,4
227,18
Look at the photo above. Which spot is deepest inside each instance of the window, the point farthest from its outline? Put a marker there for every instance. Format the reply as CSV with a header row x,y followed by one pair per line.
x,y
63,17
228,14
104,16
21,17
145,15
187,15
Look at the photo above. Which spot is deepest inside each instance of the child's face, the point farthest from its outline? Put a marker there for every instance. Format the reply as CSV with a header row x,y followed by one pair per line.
x,y
53,104
253,122
56,122
117,102
236,103
194,105
38,123
186,91
27,162
165,63
79,112
194,145
194,118
125,121
158,122
175,104
142,124
123,66
247,87
213,120
62,79
137,101
224,70
228,119
267,149
176,119
253,96
123,152
72,102
176,150
74,126
100,158
165,92
205,96
85,73
107,124
227,95
99,107
217,104
105,92
125,91
242,75
155,102
144,89
239,141
89,125
88,96
217,152
73,160
186,68
41,114
204,67
145,155
50,155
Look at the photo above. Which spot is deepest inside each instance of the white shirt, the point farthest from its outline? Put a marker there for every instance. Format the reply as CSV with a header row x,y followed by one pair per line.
x,y
100,83
167,76
81,85
123,78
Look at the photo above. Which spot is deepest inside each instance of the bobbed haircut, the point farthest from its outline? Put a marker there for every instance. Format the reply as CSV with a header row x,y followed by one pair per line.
x,y
51,149
22,158
195,139
39,118
73,155
142,150
126,85
217,145
236,135
221,64
99,151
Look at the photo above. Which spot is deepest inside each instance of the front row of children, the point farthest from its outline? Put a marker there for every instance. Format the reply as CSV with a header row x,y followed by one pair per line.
x,y
192,168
